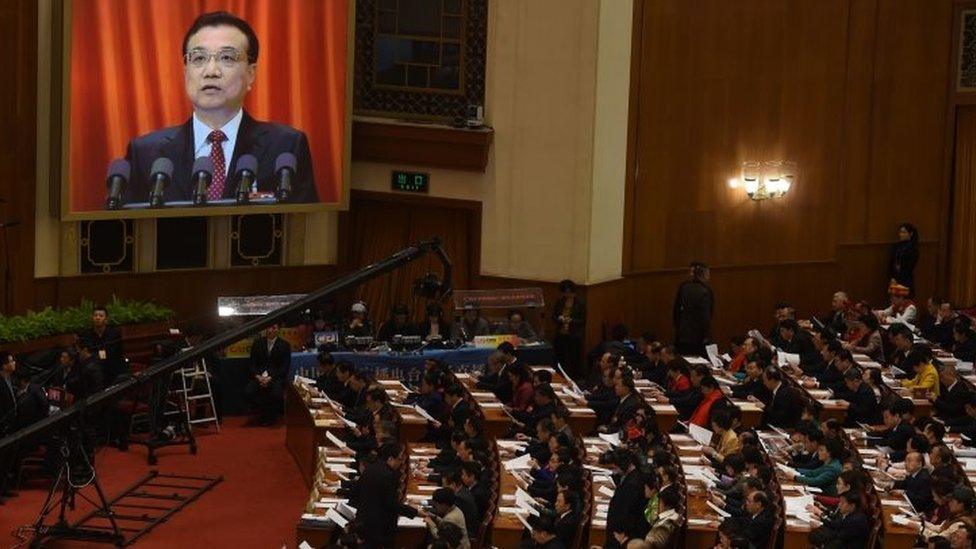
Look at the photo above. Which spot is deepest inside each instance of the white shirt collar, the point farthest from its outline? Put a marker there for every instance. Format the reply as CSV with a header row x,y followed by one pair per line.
x,y
201,131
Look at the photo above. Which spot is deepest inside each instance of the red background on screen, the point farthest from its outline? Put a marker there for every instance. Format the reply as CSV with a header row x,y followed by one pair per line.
x,y
127,80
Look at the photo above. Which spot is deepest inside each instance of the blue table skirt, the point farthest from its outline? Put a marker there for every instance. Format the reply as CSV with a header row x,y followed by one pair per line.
x,y
234,373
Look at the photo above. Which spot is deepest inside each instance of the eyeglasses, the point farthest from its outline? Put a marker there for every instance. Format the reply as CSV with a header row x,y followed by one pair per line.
x,y
225,57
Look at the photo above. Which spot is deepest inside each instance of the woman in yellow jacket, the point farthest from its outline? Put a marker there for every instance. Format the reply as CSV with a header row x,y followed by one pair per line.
x,y
926,376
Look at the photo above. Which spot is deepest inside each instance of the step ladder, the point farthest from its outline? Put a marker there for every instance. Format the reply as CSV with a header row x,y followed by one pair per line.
x,y
195,391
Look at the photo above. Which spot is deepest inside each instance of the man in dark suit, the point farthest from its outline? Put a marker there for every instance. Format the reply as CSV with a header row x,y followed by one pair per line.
x,y
471,472
625,511
760,519
897,432
862,404
8,394
794,340
784,406
627,404
375,498
464,500
105,342
848,528
270,359
951,403
567,516
917,483
220,53
694,305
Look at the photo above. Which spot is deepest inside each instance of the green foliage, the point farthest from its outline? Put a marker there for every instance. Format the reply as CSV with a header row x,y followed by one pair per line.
x,y
51,322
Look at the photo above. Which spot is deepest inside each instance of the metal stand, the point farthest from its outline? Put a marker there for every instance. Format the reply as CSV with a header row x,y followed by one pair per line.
x,y
76,461
158,404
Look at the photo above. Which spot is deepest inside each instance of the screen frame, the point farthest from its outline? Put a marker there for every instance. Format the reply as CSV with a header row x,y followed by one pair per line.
x,y
60,137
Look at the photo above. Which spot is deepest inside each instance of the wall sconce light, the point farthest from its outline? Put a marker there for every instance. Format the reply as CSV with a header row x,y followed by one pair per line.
x,y
765,180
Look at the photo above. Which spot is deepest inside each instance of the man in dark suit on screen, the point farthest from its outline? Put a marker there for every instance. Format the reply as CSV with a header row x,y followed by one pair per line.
x,y
220,53
270,359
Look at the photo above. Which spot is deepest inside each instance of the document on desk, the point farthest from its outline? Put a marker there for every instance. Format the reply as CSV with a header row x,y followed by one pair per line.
x,y
415,522
701,435
712,352
521,462
787,469
612,438
718,510
423,413
793,359
335,440
335,517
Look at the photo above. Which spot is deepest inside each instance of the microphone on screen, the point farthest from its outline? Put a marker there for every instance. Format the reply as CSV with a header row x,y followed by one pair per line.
x,y
285,166
247,169
160,174
203,170
119,171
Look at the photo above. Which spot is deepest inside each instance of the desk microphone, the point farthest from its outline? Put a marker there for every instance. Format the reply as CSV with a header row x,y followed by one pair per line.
x,y
203,169
118,175
247,169
285,166
160,175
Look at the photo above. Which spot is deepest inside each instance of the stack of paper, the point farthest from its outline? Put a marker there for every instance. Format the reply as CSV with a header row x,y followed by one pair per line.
x,y
521,462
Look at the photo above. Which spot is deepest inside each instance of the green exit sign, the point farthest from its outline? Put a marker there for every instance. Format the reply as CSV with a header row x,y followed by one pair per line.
x,y
412,182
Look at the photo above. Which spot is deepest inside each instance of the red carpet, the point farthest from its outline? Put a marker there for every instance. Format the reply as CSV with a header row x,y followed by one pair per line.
x,y
257,505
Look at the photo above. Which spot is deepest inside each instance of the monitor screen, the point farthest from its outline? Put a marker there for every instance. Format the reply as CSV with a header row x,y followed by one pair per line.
x,y
205,107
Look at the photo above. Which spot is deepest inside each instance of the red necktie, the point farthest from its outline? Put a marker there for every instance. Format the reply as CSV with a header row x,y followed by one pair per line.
x,y
216,190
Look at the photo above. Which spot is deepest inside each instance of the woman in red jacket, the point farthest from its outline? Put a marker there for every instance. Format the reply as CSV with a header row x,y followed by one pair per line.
x,y
712,394
523,393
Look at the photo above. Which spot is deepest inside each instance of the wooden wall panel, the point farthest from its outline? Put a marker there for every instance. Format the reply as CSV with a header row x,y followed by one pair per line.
x,y
727,82
853,90
912,69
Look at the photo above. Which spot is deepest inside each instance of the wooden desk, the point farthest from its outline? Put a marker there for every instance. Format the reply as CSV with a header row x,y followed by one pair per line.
x,y
305,429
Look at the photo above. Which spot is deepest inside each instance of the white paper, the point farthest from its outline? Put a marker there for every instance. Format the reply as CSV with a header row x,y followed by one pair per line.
x,y
712,352
606,491
498,405
786,469
521,462
524,522
701,435
718,510
407,522
612,438
347,510
335,517
304,545
424,413
335,440
349,423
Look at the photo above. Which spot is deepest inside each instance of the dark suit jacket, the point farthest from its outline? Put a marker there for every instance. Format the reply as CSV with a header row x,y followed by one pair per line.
x,y
8,405
918,488
377,506
464,500
626,410
566,528
265,140
626,509
950,404
850,531
276,362
110,342
863,405
896,439
759,528
802,345
692,314
783,410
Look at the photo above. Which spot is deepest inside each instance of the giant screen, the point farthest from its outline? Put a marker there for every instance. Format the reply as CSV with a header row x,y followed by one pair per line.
x,y
205,107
